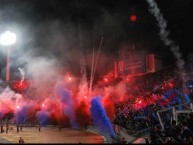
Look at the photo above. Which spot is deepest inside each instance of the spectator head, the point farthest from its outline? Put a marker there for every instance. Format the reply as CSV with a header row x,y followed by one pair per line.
x,y
184,124
173,122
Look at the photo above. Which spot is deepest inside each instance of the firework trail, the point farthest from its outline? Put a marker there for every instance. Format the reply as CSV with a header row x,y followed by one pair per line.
x,y
22,74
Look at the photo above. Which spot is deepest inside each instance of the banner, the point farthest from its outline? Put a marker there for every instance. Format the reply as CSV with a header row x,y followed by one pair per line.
x,y
126,67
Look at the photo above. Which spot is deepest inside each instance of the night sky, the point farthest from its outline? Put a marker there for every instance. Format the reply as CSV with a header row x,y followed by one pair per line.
x,y
64,28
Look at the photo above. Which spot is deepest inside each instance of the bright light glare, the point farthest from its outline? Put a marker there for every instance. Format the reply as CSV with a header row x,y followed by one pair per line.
x,y
69,78
7,38
85,97
105,79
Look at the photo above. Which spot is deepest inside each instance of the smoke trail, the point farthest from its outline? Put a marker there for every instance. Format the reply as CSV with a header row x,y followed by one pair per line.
x,y
94,65
22,74
100,119
83,87
91,76
162,23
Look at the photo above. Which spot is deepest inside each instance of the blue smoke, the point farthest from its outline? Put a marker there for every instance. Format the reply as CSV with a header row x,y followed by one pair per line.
x,y
1,114
43,117
21,114
64,94
65,97
100,118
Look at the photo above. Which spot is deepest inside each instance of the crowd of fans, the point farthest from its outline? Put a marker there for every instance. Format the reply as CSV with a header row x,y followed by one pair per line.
x,y
142,90
174,132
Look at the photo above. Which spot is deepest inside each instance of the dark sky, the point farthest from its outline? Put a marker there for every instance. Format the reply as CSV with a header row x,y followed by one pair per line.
x,y
64,28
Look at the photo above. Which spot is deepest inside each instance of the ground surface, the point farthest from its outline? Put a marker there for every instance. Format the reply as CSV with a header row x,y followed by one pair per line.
x,y
50,135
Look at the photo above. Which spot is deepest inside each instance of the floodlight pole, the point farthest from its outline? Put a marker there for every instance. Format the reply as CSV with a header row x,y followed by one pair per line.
x,y
8,65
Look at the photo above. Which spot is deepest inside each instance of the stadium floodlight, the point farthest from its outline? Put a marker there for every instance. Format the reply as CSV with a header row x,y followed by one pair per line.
x,y
7,39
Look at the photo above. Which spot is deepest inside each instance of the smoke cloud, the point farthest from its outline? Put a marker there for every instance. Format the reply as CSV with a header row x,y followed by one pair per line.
x,y
100,119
